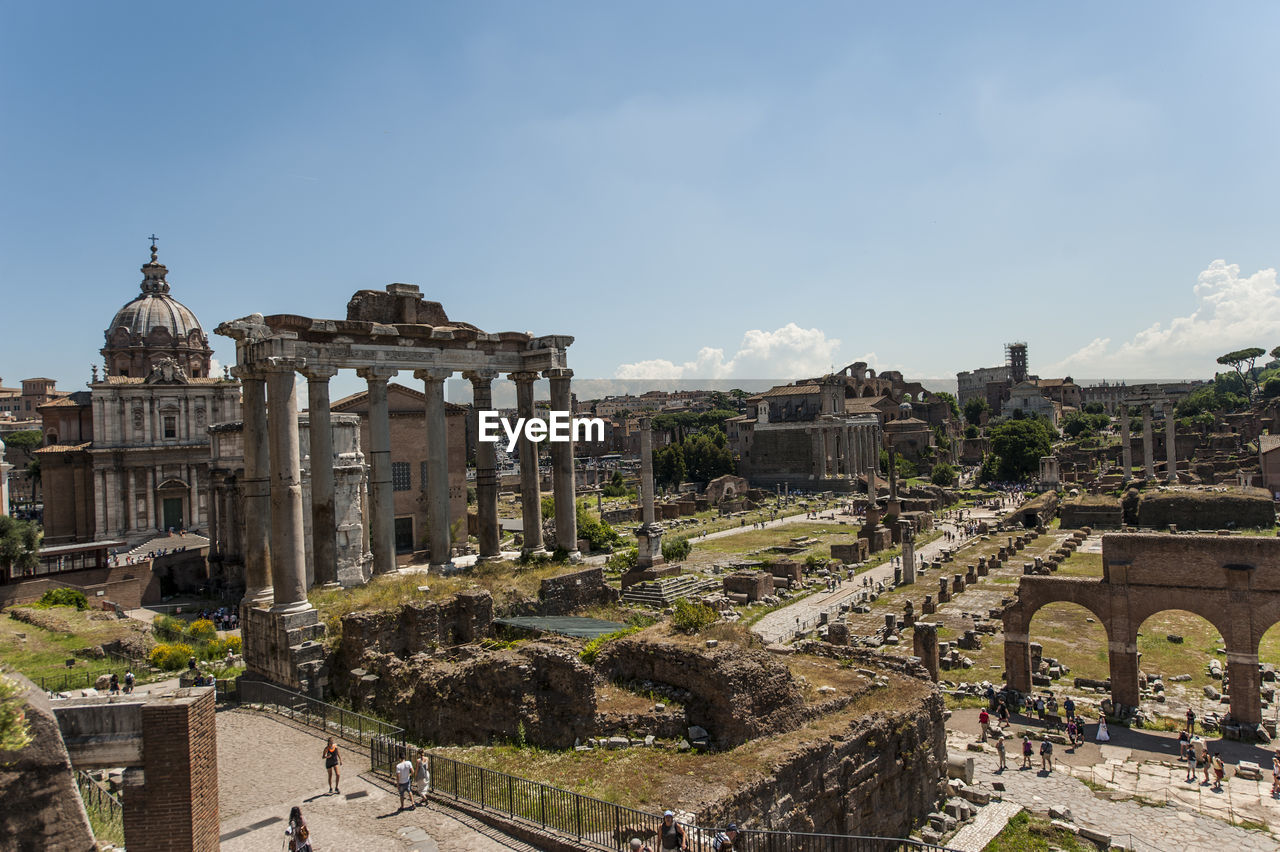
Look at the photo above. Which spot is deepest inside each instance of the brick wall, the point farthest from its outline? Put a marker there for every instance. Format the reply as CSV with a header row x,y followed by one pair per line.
x,y
171,801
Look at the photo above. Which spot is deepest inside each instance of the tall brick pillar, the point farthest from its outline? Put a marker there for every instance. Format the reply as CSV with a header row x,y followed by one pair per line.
x,y
1245,687
171,801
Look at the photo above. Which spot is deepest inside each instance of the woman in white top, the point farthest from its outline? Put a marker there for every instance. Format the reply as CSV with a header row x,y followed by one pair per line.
x,y
1103,736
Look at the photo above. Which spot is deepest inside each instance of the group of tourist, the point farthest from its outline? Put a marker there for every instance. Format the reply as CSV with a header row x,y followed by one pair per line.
x,y
116,686
410,772
672,837
223,618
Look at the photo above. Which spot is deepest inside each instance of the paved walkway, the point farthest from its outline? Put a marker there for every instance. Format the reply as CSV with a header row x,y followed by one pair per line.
x,y
785,623
989,822
1148,806
266,766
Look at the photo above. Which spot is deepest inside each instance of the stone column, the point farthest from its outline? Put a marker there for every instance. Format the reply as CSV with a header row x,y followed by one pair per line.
x,y
530,497
873,463
215,517
1148,444
324,524
562,467
486,469
150,480
257,489
1017,662
1123,664
819,454
130,514
99,506
924,644
288,551
649,536
437,485
382,517
1171,443
1126,444
908,552
1245,687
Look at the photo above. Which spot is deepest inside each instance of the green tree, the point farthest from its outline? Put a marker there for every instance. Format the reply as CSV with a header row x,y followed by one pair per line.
x,y
26,439
951,403
669,466
14,732
19,545
974,409
600,535
1017,446
1238,359
970,432
943,474
617,486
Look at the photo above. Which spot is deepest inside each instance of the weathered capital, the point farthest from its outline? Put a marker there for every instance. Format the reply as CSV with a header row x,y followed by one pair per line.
x,y
280,363
477,377
245,374
523,376
433,374
319,373
377,374
558,373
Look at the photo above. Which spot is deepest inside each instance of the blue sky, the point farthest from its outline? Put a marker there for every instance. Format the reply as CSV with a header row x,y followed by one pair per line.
x,y
718,190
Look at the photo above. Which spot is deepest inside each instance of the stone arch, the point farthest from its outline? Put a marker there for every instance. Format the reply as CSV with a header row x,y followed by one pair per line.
x,y
1062,621
867,391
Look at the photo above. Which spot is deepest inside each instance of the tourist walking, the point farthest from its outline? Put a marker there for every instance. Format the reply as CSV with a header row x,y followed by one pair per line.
x,y
1002,713
984,719
1184,741
333,765
1103,735
1219,770
671,835
297,835
1026,751
1191,760
1275,775
638,845
1000,753
115,684
128,681
422,776
1191,721
1046,754
1072,732
724,840
404,780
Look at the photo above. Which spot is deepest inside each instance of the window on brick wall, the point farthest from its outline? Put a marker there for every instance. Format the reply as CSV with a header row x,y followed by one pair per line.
x,y
422,473
400,476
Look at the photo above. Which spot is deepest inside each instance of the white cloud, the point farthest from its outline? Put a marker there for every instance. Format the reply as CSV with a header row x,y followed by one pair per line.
x,y
1231,313
784,353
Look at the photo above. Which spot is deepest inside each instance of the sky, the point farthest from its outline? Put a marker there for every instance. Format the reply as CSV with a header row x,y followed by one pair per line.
x,y
713,190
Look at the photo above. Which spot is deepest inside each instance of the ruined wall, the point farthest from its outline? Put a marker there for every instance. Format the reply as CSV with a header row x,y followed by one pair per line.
x,y
735,693
1193,510
878,776
571,592
1096,512
414,628
473,696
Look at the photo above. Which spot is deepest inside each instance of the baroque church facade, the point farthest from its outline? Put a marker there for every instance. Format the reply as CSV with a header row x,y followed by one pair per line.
x,y
142,469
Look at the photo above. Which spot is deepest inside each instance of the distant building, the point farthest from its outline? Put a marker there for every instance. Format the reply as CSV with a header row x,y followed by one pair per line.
x,y
973,383
130,459
1111,395
409,459
1027,398
23,404
1269,463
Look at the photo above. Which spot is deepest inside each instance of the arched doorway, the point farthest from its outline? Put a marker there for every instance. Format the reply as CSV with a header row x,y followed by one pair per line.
x,y
171,500
1071,635
1179,646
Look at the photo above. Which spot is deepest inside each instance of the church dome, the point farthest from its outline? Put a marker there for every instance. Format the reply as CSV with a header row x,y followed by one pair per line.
x,y
152,326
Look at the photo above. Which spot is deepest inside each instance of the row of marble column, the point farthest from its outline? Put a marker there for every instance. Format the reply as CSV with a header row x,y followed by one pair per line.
x,y
1148,443
844,449
116,514
275,568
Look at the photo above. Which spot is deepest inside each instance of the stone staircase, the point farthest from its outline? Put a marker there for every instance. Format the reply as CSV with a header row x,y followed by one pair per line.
x,y
665,591
169,543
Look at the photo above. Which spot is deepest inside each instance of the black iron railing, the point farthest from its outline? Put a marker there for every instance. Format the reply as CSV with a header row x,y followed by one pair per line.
x,y
86,678
608,826
385,741
97,797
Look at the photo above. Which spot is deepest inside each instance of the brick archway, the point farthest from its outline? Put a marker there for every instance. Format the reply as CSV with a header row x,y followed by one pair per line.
x,y
1232,582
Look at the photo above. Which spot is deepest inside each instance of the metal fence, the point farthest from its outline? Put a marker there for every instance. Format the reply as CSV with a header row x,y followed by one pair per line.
x,y
86,678
608,826
385,741
98,798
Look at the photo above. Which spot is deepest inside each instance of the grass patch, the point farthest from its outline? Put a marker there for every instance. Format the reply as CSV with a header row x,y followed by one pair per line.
x,y
1026,833
43,651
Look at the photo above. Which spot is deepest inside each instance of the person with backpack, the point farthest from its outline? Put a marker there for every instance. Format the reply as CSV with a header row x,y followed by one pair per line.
x,y
297,835
1026,751
128,681
1046,754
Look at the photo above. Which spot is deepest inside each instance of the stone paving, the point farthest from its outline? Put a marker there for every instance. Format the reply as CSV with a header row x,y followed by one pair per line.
x,y
1147,806
804,615
989,822
266,766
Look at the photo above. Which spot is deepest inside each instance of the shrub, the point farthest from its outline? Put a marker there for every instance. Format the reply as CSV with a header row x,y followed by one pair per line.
x,y
675,550
170,657
168,628
202,630
63,597
625,560
592,649
217,649
691,617
943,474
